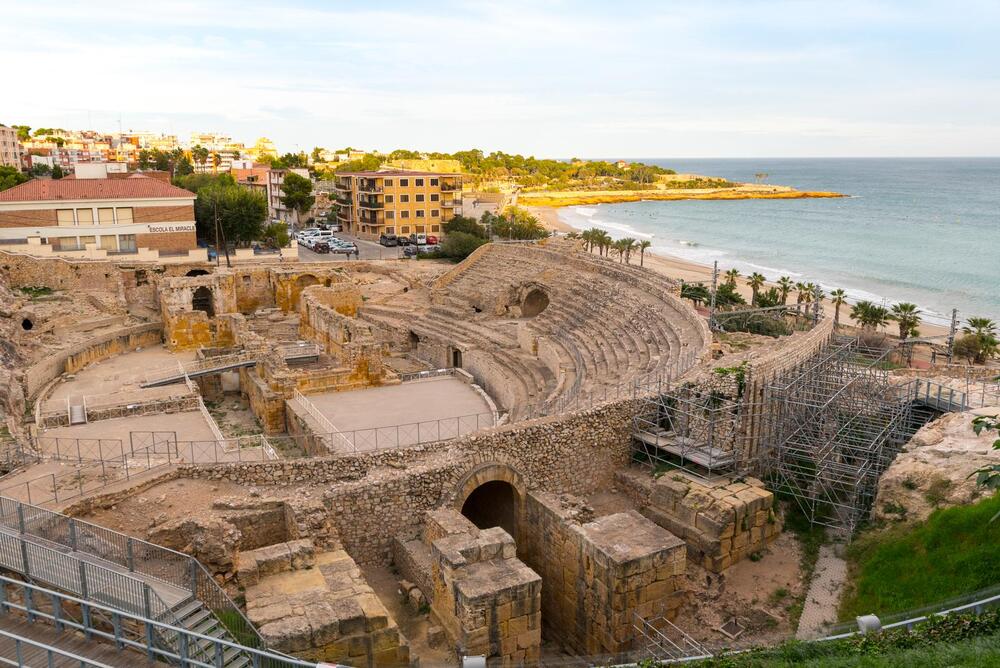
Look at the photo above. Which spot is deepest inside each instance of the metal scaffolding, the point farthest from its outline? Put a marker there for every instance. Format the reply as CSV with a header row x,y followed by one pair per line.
x,y
832,425
693,426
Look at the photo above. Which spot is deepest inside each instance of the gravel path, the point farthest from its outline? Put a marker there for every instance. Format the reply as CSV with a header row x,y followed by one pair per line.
x,y
823,597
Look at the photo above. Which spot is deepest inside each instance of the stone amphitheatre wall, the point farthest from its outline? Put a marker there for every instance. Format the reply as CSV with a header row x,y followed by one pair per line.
x,y
376,497
37,376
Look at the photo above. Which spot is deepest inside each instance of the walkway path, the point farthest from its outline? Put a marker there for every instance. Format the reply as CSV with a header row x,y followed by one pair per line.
x,y
823,597
99,653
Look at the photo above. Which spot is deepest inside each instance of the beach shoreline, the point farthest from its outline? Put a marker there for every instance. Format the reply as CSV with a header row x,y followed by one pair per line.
x,y
693,272
588,198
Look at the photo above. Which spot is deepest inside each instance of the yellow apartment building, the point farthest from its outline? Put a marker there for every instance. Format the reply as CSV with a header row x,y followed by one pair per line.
x,y
398,202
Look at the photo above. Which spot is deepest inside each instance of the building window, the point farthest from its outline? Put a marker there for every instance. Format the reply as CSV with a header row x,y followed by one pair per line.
x,y
421,229
405,229
418,182
390,215
388,199
124,215
434,182
435,213
404,183
435,228
404,214
109,243
387,182
390,230
126,243
87,240
65,244
420,213
435,197
420,198
85,216
106,216
65,217
404,198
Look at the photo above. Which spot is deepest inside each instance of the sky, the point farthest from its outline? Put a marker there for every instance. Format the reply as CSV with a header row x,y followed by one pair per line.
x,y
550,79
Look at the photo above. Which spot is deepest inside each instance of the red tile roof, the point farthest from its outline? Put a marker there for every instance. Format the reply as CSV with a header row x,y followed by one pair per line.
x,y
135,186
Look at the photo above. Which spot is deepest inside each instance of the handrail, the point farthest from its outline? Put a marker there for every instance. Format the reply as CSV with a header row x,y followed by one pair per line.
x,y
139,556
89,624
49,652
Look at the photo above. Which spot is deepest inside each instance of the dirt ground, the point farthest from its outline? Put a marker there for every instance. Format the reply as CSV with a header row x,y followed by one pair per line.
x,y
115,374
761,595
161,503
233,416
412,624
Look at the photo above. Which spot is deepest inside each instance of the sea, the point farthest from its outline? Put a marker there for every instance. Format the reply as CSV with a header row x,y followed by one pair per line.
x,y
922,230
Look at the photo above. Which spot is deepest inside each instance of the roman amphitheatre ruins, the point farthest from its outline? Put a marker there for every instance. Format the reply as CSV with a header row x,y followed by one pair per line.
x,y
535,456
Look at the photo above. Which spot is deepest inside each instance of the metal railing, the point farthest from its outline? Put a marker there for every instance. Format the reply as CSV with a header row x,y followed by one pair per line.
x,y
21,646
134,555
326,428
206,365
129,631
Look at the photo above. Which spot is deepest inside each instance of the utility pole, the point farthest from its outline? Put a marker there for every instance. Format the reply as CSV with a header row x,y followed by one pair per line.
x,y
715,285
951,334
218,231
817,297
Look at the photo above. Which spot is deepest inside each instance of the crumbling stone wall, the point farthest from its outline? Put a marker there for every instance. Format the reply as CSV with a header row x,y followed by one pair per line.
x,y
599,574
722,521
487,600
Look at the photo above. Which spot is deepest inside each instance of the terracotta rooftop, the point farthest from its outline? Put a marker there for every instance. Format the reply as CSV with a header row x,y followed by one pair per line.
x,y
135,186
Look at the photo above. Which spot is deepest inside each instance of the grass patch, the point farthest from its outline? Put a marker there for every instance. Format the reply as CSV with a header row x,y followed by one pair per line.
x,y
955,552
36,291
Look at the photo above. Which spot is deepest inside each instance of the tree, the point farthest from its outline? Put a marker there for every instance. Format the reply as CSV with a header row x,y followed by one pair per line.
x,y
907,316
465,226
184,167
316,154
643,245
459,245
628,246
785,286
10,177
23,132
241,212
981,334
199,154
145,159
696,292
297,194
839,298
756,282
870,316
514,223
988,476
768,298
41,169
731,276
57,172
275,235
727,295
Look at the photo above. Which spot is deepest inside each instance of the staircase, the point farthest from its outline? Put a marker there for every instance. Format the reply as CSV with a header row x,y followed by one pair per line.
x,y
96,564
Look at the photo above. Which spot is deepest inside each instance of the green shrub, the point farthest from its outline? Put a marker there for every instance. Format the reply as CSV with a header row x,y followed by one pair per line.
x,y
459,245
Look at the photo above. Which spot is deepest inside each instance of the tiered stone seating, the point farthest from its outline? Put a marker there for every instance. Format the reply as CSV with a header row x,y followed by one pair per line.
x,y
608,324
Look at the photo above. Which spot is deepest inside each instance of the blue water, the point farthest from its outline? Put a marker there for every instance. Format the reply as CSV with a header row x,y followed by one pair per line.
x,y
920,230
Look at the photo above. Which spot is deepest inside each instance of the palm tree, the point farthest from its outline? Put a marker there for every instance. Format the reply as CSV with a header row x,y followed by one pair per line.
x,y
800,294
869,316
619,247
839,298
628,245
755,281
980,326
731,277
604,242
983,333
907,316
643,245
785,286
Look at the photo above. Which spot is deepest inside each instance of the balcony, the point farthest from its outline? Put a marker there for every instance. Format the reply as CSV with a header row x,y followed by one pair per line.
x,y
451,204
369,187
343,185
370,203
343,200
450,187
371,218
344,214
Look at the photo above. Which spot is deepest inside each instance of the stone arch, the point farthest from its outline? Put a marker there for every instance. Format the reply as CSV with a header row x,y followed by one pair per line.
x,y
197,272
202,300
534,301
305,280
492,494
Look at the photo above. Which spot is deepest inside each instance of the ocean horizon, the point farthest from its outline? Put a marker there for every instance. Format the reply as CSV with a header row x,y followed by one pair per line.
x,y
923,230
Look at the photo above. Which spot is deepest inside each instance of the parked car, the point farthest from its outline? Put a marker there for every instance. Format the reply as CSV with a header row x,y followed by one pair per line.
x,y
428,248
418,239
431,240
321,247
410,251
403,241
388,240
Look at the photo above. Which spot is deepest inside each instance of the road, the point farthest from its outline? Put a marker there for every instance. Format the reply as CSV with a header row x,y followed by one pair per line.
x,y
369,250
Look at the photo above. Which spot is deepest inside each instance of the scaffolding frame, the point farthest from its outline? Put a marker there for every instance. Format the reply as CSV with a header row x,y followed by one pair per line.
x,y
696,427
833,425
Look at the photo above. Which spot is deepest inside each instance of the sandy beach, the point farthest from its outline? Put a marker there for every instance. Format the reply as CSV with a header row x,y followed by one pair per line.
x,y
694,272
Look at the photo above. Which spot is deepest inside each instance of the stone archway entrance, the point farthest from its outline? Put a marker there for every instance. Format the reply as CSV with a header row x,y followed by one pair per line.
x,y
201,300
492,495
534,303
